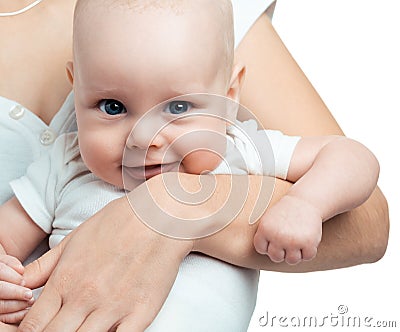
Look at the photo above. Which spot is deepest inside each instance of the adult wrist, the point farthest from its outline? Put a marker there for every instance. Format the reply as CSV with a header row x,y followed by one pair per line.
x,y
152,205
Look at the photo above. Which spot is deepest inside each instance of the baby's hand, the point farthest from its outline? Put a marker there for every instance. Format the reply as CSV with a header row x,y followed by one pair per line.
x,y
14,297
289,231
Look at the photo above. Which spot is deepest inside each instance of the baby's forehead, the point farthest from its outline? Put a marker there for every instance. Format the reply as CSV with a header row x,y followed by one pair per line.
x,y
218,10
215,14
198,28
143,16
141,6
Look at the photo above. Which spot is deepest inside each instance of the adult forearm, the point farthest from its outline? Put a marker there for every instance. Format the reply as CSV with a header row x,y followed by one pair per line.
x,y
356,237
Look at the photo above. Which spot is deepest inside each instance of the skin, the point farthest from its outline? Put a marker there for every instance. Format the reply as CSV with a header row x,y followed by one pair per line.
x,y
102,136
265,80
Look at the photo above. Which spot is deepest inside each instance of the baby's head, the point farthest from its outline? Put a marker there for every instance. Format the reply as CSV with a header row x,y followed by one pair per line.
x,y
131,55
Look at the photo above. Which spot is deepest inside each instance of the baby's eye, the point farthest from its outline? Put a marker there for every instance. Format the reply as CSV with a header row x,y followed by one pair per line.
x,y
112,107
178,107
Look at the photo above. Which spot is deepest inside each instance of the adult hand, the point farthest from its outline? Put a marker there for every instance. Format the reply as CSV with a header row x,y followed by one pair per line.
x,y
111,273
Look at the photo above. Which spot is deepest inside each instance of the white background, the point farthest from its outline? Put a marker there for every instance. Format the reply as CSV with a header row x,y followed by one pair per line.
x,y
350,51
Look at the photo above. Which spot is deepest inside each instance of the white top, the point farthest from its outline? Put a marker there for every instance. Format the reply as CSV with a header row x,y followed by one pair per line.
x,y
58,191
245,14
208,295
25,137
255,151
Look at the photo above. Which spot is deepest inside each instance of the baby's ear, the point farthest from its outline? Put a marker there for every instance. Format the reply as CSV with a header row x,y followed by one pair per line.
x,y
236,82
235,87
70,72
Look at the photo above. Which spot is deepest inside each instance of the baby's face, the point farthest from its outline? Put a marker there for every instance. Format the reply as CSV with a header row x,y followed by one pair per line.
x,y
125,64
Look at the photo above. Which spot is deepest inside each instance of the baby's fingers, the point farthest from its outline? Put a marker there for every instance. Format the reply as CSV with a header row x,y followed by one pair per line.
x,y
260,243
9,291
12,262
276,253
11,306
14,317
293,256
8,274
309,253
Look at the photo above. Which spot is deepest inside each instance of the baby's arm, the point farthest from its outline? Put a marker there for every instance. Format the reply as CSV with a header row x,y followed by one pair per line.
x,y
19,235
324,170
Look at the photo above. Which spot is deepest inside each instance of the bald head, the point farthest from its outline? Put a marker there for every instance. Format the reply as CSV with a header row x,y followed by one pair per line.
x,y
219,17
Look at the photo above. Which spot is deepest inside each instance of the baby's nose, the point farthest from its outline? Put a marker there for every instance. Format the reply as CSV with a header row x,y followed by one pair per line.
x,y
146,133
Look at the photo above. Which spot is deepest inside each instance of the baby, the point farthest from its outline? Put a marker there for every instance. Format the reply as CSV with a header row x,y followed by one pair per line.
x,y
174,58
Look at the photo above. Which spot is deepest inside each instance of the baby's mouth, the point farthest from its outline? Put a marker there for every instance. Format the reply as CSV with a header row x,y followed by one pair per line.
x,y
147,172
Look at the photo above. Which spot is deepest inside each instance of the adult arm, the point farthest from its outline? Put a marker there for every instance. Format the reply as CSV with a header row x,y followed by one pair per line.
x,y
337,249
282,97
348,239
121,251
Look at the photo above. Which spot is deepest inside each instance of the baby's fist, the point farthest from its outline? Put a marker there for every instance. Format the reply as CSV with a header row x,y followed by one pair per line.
x,y
289,231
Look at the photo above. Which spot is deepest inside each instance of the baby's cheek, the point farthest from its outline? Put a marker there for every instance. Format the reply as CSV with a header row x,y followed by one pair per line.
x,y
199,162
94,152
90,160
201,148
